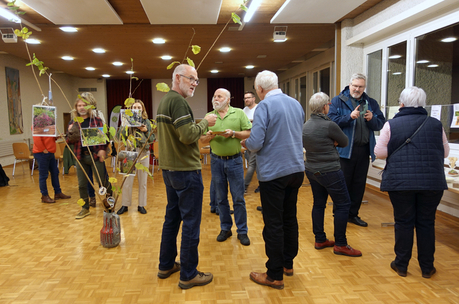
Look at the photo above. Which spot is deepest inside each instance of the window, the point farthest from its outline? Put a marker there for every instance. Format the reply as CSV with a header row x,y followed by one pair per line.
x,y
396,74
374,75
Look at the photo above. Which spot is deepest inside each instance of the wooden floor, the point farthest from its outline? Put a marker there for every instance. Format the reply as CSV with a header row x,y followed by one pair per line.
x,y
46,256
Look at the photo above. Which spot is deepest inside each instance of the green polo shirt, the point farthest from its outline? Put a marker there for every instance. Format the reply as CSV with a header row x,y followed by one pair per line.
x,y
235,119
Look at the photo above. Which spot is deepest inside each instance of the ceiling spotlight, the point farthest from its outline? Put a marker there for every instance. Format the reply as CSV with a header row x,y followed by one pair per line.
x,y
397,73
225,49
129,72
166,57
67,57
69,29
422,61
432,66
449,39
90,68
117,63
214,71
98,50
159,41
32,41
395,56
105,75
249,67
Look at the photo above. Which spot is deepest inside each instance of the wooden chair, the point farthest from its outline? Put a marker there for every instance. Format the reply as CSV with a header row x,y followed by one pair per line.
x,y
59,155
21,152
204,150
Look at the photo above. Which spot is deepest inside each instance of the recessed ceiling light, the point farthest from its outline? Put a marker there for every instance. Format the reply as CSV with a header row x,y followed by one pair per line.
x,y
129,72
422,61
166,57
249,67
98,50
106,75
69,29
159,41
395,56
32,41
280,40
432,66
90,68
67,57
449,39
397,73
117,63
225,49
214,71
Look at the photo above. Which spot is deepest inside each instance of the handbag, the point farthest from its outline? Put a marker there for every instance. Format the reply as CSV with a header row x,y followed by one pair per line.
x,y
74,134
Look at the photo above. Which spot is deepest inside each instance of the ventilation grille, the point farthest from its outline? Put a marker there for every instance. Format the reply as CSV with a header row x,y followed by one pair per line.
x,y
87,89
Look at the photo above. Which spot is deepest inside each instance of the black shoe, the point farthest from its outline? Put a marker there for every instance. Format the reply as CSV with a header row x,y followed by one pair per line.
x,y
398,271
224,235
141,210
231,211
122,210
245,190
244,239
358,221
257,190
429,274
213,210
259,208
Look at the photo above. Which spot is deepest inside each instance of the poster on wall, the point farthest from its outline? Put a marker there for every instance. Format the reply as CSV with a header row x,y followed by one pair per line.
x,y
43,121
455,121
14,101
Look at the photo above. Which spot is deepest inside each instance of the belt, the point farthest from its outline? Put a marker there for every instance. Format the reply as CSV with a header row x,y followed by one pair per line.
x,y
226,157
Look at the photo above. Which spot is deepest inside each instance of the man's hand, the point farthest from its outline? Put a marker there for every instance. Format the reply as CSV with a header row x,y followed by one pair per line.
x,y
228,133
101,155
368,115
211,118
243,143
356,113
210,135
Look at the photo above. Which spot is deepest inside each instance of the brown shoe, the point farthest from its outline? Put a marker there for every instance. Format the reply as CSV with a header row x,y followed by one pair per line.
x,y
200,279
164,274
263,279
61,196
92,202
288,272
323,245
47,199
347,250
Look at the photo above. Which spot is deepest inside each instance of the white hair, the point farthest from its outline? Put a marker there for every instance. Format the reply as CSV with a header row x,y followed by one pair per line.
x,y
358,76
317,102
267,80
180,69
413,97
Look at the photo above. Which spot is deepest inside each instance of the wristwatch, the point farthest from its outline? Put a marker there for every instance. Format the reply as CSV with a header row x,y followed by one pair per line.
x,y
234,134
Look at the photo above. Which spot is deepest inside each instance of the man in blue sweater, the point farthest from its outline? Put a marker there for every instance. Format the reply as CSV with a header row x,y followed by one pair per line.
x,y
276,138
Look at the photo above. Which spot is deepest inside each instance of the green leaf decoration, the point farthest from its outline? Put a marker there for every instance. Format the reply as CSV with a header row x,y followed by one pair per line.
x,y
112,131
106,138
18,33
144,157
104,129
243,7
170,66
89,107
162,87
129,102
116,109
81,202
190,62
195,49
128,112
25,30
133,77
79,119
124,141
236,18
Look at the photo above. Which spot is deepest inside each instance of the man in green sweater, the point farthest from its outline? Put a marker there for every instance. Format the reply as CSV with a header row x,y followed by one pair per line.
x,y
180,161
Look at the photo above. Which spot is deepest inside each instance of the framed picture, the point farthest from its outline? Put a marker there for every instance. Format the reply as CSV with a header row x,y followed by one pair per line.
x,y
134,120
44,121
93,136
126,160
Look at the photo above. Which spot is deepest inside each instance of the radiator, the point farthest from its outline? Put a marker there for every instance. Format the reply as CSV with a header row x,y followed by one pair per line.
x,y
6,147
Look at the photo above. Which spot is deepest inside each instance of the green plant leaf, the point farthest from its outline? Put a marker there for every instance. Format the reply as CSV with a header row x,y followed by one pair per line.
x,y
116,109
243,7
79,119
104,129
236,18
89,107
133,77
195,49
170,66
18,33
129,102
162,87
190,62
112,131
81,202
128,112
25,30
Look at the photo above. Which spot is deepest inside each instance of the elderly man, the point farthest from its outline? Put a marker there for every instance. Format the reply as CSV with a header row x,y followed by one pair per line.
x,y
277,124
226,163
359,117
178,136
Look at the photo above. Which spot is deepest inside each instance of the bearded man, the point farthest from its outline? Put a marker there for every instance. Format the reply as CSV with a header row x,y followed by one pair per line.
x,y
225,137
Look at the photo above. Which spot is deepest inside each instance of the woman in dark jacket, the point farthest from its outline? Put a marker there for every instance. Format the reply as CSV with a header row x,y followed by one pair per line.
x,y
323,169
414,177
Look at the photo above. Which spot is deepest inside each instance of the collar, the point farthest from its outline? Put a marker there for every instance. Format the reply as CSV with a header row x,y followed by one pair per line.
x,y
273,92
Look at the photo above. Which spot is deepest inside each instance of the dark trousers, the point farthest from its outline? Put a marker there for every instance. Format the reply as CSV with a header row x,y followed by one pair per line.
x,y
355,172
415,209
99,171
184,191
47,163
322,185
278,199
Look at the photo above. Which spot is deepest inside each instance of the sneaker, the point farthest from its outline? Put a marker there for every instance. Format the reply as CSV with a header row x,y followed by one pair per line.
x,y
323,245
164,274
244,239
200,279
92,202
346,250
224,235
83,213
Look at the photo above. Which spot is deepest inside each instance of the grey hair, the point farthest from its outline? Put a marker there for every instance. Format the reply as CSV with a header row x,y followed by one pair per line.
x,y
358,76
267,80
413,97
317,102
180,69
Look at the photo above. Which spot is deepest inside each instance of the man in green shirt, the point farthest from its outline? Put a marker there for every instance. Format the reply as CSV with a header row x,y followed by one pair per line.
x,y
231,127
180,161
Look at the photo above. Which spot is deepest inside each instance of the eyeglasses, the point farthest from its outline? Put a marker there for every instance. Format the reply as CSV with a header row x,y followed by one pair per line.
x,y
192,79
248,98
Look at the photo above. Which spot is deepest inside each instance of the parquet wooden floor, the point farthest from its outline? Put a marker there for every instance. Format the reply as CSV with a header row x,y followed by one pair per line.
x,y
46,256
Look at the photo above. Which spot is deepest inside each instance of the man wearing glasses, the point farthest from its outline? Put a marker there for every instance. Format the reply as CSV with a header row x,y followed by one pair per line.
x,y
180,161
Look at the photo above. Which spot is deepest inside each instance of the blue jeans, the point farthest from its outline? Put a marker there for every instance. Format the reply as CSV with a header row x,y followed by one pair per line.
x,y
415,210
184,191
213,197
47,163
323,185
230,171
